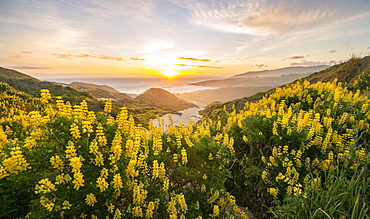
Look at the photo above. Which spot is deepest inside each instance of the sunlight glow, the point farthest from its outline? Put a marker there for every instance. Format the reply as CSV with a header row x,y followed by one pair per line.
x,y
158,46
169,73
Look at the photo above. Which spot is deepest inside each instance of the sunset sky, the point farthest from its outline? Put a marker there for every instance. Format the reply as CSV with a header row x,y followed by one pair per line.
x,y
61,38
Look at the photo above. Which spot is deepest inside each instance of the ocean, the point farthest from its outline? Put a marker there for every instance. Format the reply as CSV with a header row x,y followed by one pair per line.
x,y
138,85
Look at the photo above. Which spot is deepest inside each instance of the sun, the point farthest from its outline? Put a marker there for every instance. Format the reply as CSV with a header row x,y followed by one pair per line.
x,y
169,73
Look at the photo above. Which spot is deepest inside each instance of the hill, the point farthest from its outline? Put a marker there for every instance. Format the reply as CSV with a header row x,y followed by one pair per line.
x,y
94,86
250,82
281,71
30,85
157,97
155,102
10,73
222,94
346,72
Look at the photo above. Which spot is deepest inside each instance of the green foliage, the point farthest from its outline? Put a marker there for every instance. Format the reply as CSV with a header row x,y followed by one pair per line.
x,y
67,161
342,196
301,151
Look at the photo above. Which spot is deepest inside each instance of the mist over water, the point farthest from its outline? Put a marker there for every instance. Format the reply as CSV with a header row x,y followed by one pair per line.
x,y
139,85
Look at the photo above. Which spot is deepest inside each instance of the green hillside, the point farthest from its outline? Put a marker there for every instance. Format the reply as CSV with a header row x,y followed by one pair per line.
x,y
346,72
300,152
159,98
10,73
153,103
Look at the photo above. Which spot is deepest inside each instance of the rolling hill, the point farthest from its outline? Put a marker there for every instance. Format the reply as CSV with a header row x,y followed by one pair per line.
x,y
247,84
346,72
154,102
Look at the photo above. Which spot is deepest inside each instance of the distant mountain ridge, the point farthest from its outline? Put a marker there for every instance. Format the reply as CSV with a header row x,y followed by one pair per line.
x,y
250,83
346,72
281,71
94,86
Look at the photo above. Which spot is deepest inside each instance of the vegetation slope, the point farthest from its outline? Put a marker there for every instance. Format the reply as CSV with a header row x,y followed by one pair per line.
x,y
346,72
143,108
301,151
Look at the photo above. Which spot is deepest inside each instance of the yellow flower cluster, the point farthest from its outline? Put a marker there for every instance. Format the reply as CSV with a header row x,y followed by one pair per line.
x,y
325,118
45,186
94,161
13,164
108,106
90,199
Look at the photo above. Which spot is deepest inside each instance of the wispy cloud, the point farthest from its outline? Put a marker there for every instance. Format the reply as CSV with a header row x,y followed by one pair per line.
x,y
271,17
347,45
198,66
259,65
195,59
294,57
21,54
106,57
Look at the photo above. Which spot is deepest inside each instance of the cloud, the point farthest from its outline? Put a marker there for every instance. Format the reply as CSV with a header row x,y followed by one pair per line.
x,y
333,51
347,45
106,57
21,54
195,59
27,67
198,66
259,65
272,17
294,57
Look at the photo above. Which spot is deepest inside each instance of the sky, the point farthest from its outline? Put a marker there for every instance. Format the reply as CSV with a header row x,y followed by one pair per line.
x,y
94,38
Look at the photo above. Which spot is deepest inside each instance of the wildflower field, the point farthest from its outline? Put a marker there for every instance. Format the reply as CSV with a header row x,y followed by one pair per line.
x,y
300,152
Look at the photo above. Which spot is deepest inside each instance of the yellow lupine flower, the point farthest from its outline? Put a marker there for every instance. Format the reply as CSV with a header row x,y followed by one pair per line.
x,y
117,182
245,139
75,163
90,199
139,194
155,173
273,191
45,96
175,158
166,184
137,211
150,210
45,186
108,106
16,163
46,203
131,168
75,131
117,214
216,211
71,150
184,157
78,180
102,184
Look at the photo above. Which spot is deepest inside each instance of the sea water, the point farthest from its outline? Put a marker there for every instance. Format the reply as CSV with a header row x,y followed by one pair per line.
x,y
138,85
